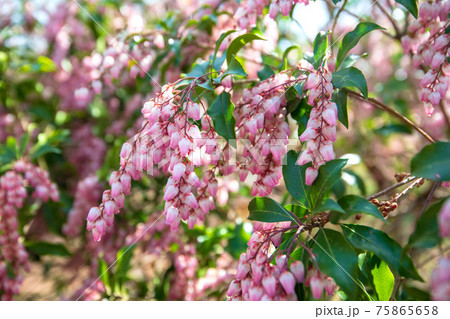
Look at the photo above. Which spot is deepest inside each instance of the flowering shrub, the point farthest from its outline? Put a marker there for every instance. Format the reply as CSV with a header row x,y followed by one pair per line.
x,y
210,150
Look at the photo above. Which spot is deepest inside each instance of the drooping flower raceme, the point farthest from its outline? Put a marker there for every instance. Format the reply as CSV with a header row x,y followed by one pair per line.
x,y
320,131
429,43
12,195
264,132
171,142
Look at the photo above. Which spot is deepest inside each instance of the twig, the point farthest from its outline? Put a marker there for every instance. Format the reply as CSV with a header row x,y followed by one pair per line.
x,y
391,19
406,190
386,108
392,187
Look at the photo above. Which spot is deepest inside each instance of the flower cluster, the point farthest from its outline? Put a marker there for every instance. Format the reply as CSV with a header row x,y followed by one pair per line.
x,y
260,116
170,141
431,50
87,193
318,281
12,195
320,132
257,278
249,10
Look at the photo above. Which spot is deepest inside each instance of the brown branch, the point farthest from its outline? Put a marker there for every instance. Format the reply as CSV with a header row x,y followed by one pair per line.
x,y
393,112
392,187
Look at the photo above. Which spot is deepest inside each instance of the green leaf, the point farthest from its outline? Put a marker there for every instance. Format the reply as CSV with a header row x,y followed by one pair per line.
x,y
351,59
238,43
219,42
352,38
41,150
329,204
411,5
383,246
350,77
383,280
426,234
234,68
294,178
329,173
221,112
354,204
123,258
336,1
320,48
265,73
44,248
238,241
283,62
389,129
337,258
105,276
433,162
264,209
297,210
24,139
340,98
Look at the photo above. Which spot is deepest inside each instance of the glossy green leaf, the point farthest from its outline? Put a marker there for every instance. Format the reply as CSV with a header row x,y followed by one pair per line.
x,y
338,259
264,209
340,98
294,178
350,77
354,204
297,210
329,205
426,234
383,280
352,38
320,48
285,55
351,59
123,258
238,43
218,43
329,173
234,68
433,162
221,112
41,150
265,73
44,248
383,246
411,5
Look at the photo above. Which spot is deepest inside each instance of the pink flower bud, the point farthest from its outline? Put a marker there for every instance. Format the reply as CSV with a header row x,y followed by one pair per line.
x,y
425,11
441,42
429,109
94,213
330,117
120,200
438,59
192,220
178,171
434,98
310,175
441,88
270,285
329,286
316,287
427,79
191,201
308,134
281,261
330,133
116,189
97,236
242,271
126,150
285,6
287,280
274,8
194,111
171,215
255,293
184,144
100,225
312,81
212,188
111,207
327,152
234,289
298,270
170,192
